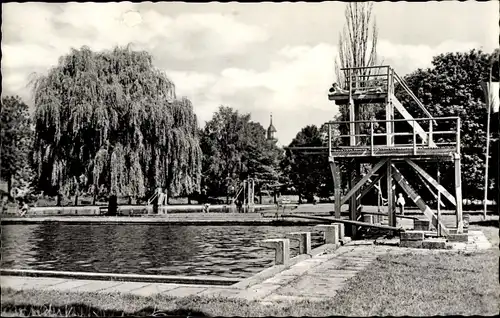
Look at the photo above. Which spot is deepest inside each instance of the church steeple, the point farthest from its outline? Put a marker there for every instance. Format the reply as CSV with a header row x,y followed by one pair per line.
x,y
271,131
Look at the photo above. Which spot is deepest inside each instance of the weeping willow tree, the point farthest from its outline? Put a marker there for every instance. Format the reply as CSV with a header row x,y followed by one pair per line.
x,y
110,121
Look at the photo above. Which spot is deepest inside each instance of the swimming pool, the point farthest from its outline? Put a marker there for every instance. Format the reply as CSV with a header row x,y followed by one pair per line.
x,y
184,250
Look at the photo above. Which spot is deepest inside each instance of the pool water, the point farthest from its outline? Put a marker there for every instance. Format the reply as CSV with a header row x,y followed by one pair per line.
x,y
223,251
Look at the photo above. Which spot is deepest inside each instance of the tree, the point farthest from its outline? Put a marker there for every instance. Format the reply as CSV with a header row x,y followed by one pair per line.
x,y
451,87
358,48
113,118
15,142
308,173
358,39
234,149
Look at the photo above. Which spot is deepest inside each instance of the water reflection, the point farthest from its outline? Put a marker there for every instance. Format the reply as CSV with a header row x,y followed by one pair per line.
x,y
227,251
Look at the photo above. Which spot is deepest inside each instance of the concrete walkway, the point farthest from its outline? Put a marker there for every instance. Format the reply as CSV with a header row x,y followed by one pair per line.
x,y
318,278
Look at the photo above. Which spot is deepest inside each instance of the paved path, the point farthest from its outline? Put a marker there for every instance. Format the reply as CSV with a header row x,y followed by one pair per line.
x,y
77,285
318,278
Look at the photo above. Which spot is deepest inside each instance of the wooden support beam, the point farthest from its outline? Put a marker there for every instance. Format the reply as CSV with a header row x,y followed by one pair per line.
x,y
406,115
352,124
356,187
458,194
418,200
431,180
389,126
335,220
335,169
353,208
391,211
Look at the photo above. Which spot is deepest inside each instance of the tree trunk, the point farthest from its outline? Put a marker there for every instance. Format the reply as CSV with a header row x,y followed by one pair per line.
x,y
113,205
58,199
94,197
129,200
9,186
189,199
76,198
155,204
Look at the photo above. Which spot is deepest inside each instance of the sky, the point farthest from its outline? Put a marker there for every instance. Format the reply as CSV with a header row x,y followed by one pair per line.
x,y
258,58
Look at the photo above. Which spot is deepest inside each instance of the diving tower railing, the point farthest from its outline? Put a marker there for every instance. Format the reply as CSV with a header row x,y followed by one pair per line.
x,y
439,141
377,79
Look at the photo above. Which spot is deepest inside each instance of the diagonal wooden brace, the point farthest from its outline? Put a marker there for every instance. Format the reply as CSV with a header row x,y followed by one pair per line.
x,y
335,169
372,184
430,190
431,180
418,200
377,166
416,126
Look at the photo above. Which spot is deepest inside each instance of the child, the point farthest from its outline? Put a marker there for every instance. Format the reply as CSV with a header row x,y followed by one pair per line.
x,y
206,208
401,203
336,89
24,208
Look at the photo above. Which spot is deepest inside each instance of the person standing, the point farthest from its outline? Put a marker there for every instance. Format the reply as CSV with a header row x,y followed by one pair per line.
x,y
401,203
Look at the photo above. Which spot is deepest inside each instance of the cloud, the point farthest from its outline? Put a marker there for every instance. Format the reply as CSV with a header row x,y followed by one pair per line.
x,y
298,76
36,35
406,58
294,88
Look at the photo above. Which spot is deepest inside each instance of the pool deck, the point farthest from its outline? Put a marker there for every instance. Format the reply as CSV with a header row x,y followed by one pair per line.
x,y
316,277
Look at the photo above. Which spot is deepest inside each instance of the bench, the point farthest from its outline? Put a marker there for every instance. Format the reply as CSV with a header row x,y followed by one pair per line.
x,y
103,210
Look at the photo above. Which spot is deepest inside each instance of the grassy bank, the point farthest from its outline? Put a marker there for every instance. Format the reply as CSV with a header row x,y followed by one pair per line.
x,y
433,283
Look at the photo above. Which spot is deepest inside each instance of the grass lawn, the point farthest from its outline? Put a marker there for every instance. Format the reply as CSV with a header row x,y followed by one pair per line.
x,y
434,283
423,284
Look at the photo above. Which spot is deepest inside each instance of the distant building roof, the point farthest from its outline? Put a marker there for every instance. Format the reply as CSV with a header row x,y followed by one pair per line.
x,y
271,128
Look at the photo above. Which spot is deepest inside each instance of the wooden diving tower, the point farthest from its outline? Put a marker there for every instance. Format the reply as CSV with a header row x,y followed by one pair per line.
x,y
376,144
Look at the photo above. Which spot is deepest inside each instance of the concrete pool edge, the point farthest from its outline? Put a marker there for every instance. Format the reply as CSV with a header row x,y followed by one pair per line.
x,y
276,269
152,221
186,280
194,280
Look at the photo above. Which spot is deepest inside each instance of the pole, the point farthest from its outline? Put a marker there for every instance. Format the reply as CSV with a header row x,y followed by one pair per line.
x,y
244,195
379,197
379,203
438,203
488,104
